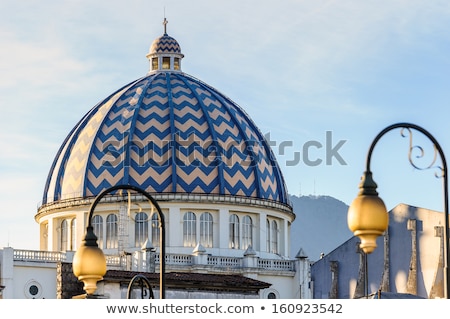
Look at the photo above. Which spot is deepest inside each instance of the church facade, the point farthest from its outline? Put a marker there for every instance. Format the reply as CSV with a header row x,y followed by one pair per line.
x,y
202,158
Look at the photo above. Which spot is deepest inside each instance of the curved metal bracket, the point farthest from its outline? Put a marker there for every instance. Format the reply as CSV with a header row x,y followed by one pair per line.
x,y
162,237
444,175
141,279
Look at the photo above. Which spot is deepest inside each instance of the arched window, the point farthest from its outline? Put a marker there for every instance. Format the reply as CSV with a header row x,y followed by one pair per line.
x,y
64,235
73,235
234,232
206,229
97,224
274,237
247,232
189,229
140,229
155,230
111,231
268,236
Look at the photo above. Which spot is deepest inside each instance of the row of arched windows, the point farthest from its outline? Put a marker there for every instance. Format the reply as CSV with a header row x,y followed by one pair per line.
x,y
236,240
195,230
204,231
110,240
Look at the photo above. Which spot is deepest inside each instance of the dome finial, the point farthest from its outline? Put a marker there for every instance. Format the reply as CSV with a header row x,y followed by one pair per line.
x,y
165,25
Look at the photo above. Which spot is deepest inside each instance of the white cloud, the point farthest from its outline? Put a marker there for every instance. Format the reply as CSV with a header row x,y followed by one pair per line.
x,y
35,64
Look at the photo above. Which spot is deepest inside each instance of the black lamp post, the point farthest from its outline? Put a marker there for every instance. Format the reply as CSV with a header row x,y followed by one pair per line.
x,y
89,262
367,215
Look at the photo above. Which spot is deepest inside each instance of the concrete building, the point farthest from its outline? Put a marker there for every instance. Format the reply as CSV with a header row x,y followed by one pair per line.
x,y
199,154
408,261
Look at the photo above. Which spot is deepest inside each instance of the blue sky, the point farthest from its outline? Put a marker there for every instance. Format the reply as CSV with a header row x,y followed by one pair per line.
x,y
299,68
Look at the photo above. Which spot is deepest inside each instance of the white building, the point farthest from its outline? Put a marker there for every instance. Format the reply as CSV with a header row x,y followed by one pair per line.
x,y
200,156
407,263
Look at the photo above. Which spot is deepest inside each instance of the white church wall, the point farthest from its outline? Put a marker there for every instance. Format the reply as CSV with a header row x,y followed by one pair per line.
x,y
34,281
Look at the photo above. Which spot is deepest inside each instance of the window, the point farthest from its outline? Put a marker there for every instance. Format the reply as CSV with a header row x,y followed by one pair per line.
x,y
64,235
154,63
234,232
189,229
155,230
247,232
206,230
267,236
140,229
274,237
176,63
271,295
166,63
111,231
97,224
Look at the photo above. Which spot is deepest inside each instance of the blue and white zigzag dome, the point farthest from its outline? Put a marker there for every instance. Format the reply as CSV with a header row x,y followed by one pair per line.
x,y
166,132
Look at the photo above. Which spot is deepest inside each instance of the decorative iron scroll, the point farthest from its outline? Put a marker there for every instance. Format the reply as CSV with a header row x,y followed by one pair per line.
x,y
421,154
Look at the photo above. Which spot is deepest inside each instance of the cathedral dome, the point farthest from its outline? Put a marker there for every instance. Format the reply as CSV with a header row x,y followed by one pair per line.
x,y
166,132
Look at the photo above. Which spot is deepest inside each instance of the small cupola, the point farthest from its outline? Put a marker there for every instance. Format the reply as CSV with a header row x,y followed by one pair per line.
x,y
165,53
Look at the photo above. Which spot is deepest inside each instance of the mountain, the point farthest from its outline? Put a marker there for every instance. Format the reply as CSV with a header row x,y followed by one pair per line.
x,y
320,225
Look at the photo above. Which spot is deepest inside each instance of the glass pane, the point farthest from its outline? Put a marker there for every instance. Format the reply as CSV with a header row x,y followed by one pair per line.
x,y
176,64
247,232
111,231
154,63
140,229
166,63
189,229
155,230
97,223
234,232
206,229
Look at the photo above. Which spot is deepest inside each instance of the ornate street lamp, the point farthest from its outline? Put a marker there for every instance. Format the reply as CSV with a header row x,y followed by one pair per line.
x,y
141,280
89,262
367,215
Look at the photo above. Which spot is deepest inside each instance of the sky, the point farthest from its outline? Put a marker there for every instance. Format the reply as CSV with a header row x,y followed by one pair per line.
x,y
319,78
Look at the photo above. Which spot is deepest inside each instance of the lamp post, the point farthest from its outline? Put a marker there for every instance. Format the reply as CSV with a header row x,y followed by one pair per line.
x,y
89,262
367,215
141,279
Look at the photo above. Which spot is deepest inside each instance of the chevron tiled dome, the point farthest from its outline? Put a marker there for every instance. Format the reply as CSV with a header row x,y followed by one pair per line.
x,y
166,132
165,44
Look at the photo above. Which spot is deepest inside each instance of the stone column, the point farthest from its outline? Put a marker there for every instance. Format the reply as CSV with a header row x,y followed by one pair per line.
x,y
385,279
334,292
437,290
411,285
360,289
